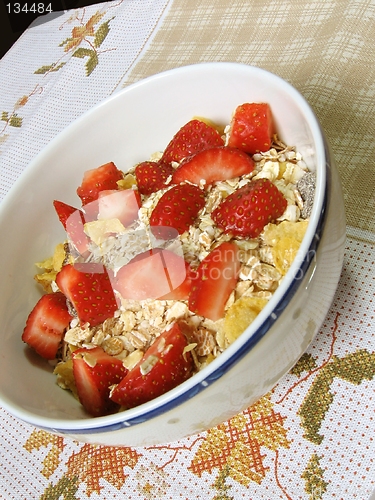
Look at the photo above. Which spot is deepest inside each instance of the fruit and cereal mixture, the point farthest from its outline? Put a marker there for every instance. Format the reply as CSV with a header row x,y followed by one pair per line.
x,y
165,265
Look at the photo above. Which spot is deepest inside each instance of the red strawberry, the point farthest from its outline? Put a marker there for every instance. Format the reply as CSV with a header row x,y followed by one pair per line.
x,y
98,179
215,279
152,176
119,204
182,291
89,290
193,137
246,211
46,325
163,367
252,128
154,274
73,221
215,164
94,373
177,208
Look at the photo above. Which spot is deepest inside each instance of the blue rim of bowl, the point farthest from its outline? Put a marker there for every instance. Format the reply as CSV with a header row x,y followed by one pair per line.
x,y
189,393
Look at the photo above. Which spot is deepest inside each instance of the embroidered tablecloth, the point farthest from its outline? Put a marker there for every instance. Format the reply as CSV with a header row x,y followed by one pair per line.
x,y
313,436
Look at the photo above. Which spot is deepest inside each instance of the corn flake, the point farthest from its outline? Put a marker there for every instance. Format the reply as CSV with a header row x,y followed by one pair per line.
x,y
240,315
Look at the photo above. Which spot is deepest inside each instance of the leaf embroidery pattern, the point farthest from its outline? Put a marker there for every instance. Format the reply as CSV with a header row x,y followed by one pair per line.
x,y
93,463
65,489
42,439
48,69
92,60
354,368
305,363
13,119
83,43
237,444
89,465
313,476
220,486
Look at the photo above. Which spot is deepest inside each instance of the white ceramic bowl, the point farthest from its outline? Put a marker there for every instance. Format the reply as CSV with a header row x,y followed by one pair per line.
x,y
126,129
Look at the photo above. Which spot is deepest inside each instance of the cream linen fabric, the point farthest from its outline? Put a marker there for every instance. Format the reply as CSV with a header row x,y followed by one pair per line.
x,y
313,436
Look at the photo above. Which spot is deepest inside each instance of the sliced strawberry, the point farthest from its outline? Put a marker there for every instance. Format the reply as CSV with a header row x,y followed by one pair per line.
x,y
193,137
46,325
163,367
252,128
73,221
215,279
98,179
89,290
152,176
64,211
181,292
177,208
154,274
215,164
119,204
94,373
246,211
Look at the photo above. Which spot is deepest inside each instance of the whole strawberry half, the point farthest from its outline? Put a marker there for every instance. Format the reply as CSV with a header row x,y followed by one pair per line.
x,y
94,373
193,137
252,128
215,279
89,290
246,211
177,209
46,325
152,176
98,179
215,164
163,367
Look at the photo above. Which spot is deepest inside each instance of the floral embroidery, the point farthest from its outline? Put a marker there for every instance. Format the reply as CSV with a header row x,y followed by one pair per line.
x,y
354,368
84,42
13,118
42,439
239,444
313,476
92,463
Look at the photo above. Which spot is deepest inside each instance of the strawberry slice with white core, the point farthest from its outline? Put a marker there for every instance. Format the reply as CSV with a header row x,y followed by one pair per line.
x,y
164,366
89,289
119,204
46,325
215,279
153,274
215,164
94,373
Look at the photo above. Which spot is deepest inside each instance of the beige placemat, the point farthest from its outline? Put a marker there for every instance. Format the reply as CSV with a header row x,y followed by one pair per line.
x,y
326,49
312,437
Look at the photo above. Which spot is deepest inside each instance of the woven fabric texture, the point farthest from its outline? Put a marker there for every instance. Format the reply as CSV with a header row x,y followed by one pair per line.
x,y
312,436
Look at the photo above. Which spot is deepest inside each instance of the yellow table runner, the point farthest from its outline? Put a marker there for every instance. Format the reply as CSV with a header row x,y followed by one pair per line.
x,y
313,436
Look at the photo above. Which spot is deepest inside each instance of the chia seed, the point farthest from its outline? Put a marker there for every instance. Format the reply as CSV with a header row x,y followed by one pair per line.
x,y
306,186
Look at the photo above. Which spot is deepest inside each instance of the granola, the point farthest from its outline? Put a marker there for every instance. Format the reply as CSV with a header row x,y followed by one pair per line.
x,y
264,262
